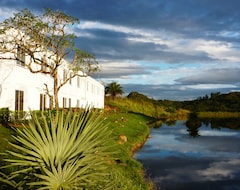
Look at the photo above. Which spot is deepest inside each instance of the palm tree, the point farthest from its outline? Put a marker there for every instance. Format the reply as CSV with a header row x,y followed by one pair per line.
x,y
114,89
61,151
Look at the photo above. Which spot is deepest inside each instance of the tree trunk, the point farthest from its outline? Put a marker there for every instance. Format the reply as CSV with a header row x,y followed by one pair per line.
x,y
55,87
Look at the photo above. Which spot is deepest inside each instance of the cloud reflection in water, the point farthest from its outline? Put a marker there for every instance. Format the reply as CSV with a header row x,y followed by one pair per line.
x,y
174,160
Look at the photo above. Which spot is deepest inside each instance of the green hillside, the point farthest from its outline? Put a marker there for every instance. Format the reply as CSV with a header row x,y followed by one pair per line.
x,y
141,104
215,103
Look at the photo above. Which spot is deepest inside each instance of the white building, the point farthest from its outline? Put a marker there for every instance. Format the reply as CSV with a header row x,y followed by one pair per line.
x,y
21,90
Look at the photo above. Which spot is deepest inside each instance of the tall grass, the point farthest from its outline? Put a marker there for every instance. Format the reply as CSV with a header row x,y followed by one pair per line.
x,y
147,108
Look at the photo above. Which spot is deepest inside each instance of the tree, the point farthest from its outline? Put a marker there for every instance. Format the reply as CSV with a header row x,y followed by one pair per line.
x,y
44,41
114,89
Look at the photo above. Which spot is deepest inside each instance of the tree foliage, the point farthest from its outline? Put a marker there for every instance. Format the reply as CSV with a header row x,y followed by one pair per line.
x,y
229,102
114,89
45,41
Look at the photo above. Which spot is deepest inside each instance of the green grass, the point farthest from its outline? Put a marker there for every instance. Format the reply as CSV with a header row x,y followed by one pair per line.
x,y
147,108
142,107
128,172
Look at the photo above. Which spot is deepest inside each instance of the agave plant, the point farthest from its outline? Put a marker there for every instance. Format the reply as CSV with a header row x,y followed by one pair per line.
x,y
61,151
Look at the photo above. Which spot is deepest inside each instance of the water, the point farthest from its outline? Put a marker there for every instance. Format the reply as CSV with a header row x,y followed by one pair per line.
x,y
206,156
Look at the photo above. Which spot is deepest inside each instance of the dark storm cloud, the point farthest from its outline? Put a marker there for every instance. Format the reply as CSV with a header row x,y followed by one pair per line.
x,y
184,16
114,45
198,19
213,76
107,44
181,15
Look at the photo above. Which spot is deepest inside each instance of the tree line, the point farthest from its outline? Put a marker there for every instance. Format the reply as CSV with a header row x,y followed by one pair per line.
x,y
216,102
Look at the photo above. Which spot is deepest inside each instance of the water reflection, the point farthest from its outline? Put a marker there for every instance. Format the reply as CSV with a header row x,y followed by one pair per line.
x,y
192,124
175,160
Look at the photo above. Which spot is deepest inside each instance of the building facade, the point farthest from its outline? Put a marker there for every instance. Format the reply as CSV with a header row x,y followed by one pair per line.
x,y
21,90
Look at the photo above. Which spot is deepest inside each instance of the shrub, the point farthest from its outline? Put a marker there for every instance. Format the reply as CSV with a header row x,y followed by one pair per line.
x,y
4,115
61,151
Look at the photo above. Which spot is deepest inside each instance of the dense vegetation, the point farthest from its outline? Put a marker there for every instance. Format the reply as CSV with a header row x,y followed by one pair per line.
x,y
217,102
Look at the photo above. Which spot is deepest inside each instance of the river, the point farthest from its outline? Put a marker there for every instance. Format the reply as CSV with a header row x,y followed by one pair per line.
x,y
203,157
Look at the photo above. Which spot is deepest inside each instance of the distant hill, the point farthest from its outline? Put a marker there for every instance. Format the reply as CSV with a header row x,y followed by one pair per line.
x,y
215,102
141,97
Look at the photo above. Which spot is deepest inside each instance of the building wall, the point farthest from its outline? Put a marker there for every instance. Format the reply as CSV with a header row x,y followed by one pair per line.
x,y
82,92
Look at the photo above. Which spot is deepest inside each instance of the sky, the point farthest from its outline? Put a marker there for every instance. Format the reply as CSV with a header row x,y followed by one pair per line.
x,y
165,49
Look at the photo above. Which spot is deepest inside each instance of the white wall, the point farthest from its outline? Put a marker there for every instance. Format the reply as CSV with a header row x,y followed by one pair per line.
x,y
14,77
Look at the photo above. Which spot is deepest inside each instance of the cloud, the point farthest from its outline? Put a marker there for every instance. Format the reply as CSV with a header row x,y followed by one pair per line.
x,y
6,12
118,42
221,170
184,16
118,70
189,173
213,76
177,34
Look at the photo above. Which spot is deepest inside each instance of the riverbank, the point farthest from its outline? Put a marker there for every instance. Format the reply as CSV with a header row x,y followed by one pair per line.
x,y
130,119
130,131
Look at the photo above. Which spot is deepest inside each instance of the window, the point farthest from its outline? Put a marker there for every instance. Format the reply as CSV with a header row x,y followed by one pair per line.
x,y
42,102
70,80
19,100
19,103
78,103
64,102
64,75
44,64
69,102
78,82
87,85
20,56
98,91
51,102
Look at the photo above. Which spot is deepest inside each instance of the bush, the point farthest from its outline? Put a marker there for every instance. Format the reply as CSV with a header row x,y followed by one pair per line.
x,y
4,115
61,151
